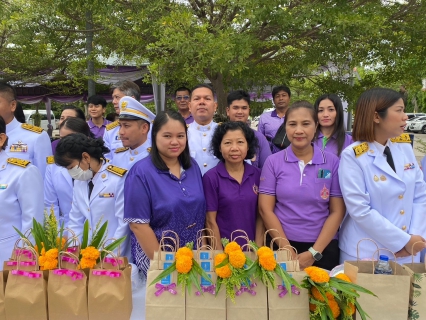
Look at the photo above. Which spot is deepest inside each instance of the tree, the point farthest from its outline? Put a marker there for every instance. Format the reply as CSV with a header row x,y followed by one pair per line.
x,y
253,43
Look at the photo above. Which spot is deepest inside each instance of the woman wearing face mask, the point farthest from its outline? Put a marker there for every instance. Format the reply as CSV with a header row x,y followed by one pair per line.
x,y
98,186
21,194
58,183
331,135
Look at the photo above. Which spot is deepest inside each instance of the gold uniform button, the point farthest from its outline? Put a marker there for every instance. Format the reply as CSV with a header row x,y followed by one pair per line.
x,y
402,212
400,196
204,149
404,228
205,164
131,159
204,134
136,152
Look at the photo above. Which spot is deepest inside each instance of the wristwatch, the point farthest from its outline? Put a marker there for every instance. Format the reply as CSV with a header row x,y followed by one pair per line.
x,y
317,255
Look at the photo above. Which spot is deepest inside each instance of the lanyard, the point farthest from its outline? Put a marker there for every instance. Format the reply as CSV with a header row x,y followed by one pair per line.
x,y
324,142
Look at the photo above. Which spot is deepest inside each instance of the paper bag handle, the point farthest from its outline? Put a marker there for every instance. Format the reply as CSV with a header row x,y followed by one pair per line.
x,y
244,234
166,234
269,231
118,248
250,246
246,239
65,253
212,239
204,232
16,248
359,242
294,261
114,257
412,250
35,255
271,245
378,251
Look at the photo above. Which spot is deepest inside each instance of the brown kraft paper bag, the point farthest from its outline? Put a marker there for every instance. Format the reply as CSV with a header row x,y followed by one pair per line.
x,y
164,299
392,291
110,293
67,292
26,293
205,305
3,279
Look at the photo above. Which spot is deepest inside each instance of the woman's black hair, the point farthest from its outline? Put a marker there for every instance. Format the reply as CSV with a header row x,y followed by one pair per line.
x,y
19,113
77,125
73,145
301,104
160,120
3,130
223,128
78,112
339,126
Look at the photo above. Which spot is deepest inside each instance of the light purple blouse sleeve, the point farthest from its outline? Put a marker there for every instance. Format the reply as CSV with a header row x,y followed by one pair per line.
x,y
210,186
264,149
335,185
137,198
268,178
260,126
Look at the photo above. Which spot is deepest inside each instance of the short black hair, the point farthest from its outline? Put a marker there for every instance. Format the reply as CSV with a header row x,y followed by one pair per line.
x,y
112,116
8,89
97,99
203,85
19,113
275,90
301,104
222,129
160,120
79,113
73,145
3,130
183,89
237,95
77,125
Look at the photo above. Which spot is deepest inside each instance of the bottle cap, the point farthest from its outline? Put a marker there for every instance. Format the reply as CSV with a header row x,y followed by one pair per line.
x,y
384,257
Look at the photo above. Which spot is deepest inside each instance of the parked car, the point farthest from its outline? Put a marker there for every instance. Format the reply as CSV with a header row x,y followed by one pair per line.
x,y
418,125
412,120
29,118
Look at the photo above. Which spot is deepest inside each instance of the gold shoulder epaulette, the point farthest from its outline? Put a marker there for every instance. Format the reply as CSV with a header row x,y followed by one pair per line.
x,y
361,149
219,123
112,125
32,128
117,170
122,149
403,138
148,149
50,160
18,162
187,125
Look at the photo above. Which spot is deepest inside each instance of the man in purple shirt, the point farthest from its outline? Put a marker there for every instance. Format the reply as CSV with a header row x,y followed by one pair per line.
x,y
269,122
182,96
239,110
96,106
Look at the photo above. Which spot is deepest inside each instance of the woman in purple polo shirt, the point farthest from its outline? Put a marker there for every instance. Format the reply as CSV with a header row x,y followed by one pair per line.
x,y
164,191
300,194
331,135
231,188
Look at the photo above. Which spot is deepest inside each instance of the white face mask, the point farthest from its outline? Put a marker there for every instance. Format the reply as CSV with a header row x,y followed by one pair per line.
x,y
79,174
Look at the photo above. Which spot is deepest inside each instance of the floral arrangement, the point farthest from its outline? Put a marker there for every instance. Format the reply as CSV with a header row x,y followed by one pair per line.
x,y
229,267
332,297
49,240
187,268
266,267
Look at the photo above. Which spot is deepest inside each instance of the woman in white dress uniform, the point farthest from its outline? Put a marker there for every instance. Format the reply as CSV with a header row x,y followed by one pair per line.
x,y
58,183
21,196
381,182
98,186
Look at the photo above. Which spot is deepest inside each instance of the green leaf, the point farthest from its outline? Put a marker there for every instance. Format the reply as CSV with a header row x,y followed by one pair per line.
x,y
194,279
164,274
196,267
85,238
112,246
218,285
98,237
361,311
223,263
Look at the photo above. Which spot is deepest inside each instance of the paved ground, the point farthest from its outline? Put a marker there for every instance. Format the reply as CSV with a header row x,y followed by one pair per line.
x,y
419,137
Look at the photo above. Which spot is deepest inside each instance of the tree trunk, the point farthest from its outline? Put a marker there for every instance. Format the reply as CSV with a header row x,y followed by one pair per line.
x,y
218,86
90,64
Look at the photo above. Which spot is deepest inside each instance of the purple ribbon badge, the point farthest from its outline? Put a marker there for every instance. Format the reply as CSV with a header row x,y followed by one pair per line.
x,y
75,275
113,261
111,274
245,289
23,263
26,273
209,289
284,290
72,249
161,288
24,252
70,260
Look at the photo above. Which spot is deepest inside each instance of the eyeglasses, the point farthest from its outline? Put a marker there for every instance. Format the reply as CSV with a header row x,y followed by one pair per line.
x,y
179,98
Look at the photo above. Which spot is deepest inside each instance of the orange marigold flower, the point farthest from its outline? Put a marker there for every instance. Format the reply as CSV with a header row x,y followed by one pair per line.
x,y
237,259
52,254
267,261
61,241
317,295
350,309
183,264
343,277
312,307
218,259
264,250
317,274
50,264
223,272
231,247
41,261
90,253
185,251
87,263
334,308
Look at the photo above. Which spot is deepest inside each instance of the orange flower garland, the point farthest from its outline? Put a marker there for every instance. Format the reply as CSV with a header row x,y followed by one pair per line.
x,y
334,308
231,247
237,259
317,275
343,277
267,261
183,264
48,260
90,255
223,272
184,251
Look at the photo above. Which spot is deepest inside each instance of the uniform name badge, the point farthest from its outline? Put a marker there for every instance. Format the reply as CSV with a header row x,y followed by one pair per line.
x,y
106,195
18,147
324,193
3,186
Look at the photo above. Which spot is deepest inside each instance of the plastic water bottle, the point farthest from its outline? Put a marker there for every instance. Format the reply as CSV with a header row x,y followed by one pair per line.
x,y
383,266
